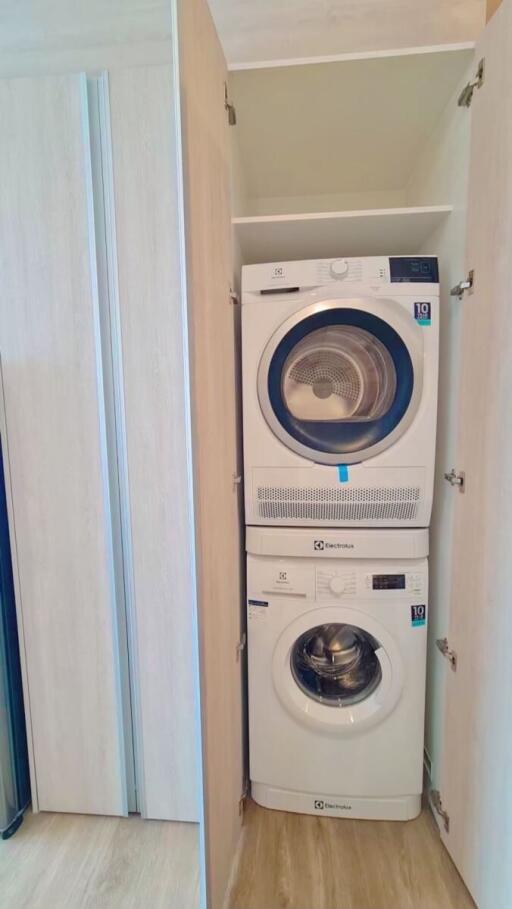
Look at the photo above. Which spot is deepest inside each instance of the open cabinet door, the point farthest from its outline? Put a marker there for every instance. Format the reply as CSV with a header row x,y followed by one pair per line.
x,y
214,427
475,775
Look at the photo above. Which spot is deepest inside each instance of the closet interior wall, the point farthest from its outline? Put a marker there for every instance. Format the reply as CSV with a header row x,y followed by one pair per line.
x,y
436,175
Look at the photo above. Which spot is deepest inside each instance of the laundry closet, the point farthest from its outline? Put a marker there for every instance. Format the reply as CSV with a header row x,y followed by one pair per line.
x,y
123,234
390,154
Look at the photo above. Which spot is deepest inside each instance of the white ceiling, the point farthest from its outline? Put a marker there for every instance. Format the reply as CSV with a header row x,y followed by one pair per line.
x,y
259,30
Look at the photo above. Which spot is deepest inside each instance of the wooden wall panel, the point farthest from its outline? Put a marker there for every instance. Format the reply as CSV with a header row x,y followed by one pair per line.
x,y
51,360
268,30
54,25
212,347
153,325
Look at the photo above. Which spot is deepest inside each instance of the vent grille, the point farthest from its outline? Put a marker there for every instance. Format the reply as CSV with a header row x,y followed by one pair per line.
x,y
332,503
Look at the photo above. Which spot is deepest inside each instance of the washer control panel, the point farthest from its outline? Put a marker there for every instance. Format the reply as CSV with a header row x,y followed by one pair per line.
x,y
337,582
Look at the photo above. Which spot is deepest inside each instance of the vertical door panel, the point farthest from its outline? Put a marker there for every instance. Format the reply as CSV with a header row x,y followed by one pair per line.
x,y
152,324
475,776
209,262
49,339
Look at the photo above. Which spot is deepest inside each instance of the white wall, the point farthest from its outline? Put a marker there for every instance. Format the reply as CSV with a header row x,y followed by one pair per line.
x,y
441,177
277,205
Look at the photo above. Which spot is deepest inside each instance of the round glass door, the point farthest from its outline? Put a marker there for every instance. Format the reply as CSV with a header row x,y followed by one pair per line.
x,y
336,664
337,670
338,373
340,384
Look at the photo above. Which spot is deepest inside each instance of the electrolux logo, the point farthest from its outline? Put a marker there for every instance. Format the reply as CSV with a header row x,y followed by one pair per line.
x,y
322,545
320,805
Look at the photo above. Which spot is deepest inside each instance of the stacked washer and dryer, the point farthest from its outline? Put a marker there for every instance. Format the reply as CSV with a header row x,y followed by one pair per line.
x,y
340,370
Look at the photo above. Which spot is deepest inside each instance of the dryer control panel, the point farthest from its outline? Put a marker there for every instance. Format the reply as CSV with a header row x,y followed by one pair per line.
x,y
286,277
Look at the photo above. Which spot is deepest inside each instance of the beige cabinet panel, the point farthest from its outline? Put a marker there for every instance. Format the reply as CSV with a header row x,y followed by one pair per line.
x,y
51,360
214,411
475,772
152,321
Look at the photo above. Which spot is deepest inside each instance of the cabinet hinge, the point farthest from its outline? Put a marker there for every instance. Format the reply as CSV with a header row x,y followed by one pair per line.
x,y
233,297
240,647
464,286
230,108
237,481
243,798
466,95
456,479
443,645
437,804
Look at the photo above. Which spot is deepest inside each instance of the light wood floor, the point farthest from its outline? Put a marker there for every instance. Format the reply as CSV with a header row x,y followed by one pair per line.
x,y
299,862
64,861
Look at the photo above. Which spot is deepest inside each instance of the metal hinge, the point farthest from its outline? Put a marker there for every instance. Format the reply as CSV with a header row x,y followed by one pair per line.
x,y
456,479
233,297
237,480
243,798
437,805
464,286
443,645
229,107
466,95
240,647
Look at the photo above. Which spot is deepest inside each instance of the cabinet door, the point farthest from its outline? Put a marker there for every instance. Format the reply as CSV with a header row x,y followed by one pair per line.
x,y
152,321
55,433
475,772
212,348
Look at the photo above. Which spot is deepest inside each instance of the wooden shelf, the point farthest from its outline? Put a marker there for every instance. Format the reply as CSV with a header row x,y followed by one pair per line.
x,y
379,232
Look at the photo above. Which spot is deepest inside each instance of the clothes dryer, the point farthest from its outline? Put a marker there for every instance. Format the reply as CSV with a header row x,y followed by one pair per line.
x,y
340,372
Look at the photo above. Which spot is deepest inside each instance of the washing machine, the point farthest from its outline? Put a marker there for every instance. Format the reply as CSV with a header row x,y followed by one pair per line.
x,y
337,636
340,371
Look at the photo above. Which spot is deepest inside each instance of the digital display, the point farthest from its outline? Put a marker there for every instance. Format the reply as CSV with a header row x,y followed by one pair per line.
x,y
422,270
388,581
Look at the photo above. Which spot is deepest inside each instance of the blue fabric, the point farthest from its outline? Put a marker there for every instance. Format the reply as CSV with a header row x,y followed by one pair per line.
x,y
10,666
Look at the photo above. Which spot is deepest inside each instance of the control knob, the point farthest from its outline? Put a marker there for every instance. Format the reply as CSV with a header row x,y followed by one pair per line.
x,y
339,269
337,585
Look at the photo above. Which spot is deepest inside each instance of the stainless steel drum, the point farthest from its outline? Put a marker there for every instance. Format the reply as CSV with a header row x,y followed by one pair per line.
x,y
336,664
339,373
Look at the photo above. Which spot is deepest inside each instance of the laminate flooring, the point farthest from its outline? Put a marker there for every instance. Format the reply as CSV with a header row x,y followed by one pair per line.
x,y
66,861
292,861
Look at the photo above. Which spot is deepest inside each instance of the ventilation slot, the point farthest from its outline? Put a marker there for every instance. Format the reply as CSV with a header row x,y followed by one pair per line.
x,y
329,503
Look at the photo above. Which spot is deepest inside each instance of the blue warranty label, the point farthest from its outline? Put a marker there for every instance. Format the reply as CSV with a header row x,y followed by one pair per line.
x,y
422,313
418,615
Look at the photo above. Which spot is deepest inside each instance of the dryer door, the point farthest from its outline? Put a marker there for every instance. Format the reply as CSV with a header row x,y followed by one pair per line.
x,y
339,383
337,669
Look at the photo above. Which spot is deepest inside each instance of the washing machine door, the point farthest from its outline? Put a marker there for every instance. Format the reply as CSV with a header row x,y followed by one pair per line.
x,y
341,381
338,670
